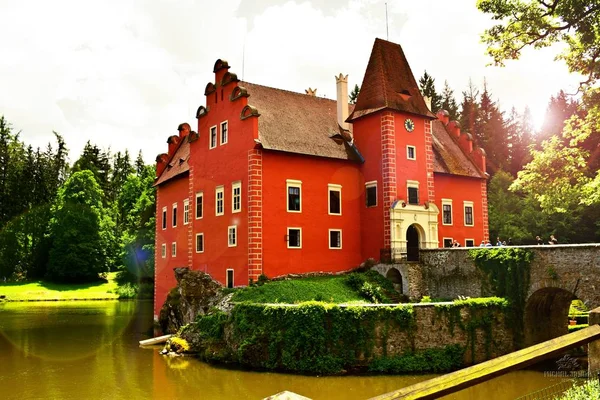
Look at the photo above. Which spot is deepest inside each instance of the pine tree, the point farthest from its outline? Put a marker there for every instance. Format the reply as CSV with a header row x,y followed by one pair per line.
x,y
427,86
353,96
469,110
449,103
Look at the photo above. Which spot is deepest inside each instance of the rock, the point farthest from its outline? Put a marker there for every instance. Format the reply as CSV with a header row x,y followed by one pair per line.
x,y
196,294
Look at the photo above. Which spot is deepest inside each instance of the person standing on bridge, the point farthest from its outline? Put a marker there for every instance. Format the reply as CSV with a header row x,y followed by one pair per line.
x,y
553,240
539,240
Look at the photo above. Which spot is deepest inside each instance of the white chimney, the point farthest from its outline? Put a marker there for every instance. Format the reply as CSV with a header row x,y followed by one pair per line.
x,y
427,102
342,100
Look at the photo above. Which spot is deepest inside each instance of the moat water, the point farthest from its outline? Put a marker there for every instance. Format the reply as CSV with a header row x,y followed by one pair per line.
x,y
89,350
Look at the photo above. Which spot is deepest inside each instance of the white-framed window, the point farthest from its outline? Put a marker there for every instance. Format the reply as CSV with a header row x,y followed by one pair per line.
x,y
411,152
212,137
294,195
224,132
199,205
335,238
412,189
468,207
446,211
448,242
334,199
219,200
174,249
469,242
229,278
174,215
199,242
186,211
232,236
371,193
236,197
164,218
294,238
163,250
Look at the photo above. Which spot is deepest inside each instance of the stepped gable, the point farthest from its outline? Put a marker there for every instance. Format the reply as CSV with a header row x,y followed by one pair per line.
x,y
449,157
389,84
298,123
178,164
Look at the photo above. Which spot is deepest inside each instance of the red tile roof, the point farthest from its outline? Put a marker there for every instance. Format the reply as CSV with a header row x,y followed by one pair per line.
x,y
178,164
449,157
389,84
297,123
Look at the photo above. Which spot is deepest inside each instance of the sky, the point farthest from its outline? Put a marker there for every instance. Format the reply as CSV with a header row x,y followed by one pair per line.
x,y
124,73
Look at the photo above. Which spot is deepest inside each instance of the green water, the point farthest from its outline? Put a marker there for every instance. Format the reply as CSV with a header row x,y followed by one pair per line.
x,y
89,350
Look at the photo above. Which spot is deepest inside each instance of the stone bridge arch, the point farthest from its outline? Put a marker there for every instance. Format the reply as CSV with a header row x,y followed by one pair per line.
x,y
546,314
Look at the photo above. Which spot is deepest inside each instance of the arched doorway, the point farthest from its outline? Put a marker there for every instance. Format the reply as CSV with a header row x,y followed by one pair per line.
x,y
394,275
412,243
546,314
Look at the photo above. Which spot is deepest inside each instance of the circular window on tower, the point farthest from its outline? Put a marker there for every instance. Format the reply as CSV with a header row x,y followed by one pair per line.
x,y
409,125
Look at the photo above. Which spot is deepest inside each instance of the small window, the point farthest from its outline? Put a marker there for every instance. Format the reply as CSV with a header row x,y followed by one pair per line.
x,y
232,236
294,195
413,195
229,278
163,250
335,239
199,242
335,199
469,242
468,213
294,238
173,249
213,137
186,212
371,193
236,197
411,152
174,215
199,205
448,242
164,218
219,200
224,132
446,212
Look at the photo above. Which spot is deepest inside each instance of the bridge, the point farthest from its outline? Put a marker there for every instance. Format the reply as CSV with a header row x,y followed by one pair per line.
x,y
558,275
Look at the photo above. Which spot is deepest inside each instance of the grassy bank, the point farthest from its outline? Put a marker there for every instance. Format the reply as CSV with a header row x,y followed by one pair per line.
x,y
40,290
366,287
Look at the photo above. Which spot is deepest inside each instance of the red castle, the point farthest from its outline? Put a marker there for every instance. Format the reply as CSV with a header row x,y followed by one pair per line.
x,y
277,182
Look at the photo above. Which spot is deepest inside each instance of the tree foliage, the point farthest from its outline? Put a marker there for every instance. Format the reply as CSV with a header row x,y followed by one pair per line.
x,y
353,96
427,86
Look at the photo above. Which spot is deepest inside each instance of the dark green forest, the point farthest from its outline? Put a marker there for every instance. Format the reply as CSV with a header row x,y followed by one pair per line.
x,y
73,223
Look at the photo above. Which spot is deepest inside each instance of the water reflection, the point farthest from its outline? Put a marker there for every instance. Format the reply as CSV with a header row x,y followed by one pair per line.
x,y
76,350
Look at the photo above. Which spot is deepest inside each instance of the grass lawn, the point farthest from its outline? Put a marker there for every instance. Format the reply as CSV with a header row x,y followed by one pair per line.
x,y
40,290
330,289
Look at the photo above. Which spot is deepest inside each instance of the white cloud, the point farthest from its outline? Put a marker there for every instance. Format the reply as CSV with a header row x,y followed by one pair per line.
x,y
124,74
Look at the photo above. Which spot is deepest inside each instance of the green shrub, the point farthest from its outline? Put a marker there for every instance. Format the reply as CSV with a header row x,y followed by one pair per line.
x,y
442,359
588,391
425,299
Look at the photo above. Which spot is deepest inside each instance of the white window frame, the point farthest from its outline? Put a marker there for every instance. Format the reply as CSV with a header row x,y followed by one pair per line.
x,y
174,215
186,211
174,249
227,277
165,221
219,189
288,184
235,236
465,205
201,234
163,250
414,151
211,130
299,239
329,239
333,187
414,185
199,195
236,185
226,124
447,202
369,185
447,238
473,240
